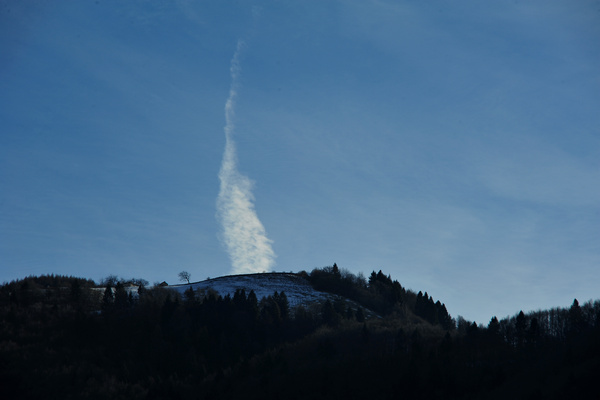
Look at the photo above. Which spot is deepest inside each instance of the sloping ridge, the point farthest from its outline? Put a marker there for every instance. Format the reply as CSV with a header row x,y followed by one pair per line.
x,y
297,289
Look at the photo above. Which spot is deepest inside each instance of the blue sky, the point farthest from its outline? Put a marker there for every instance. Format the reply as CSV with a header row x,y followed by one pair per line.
x,y
454,145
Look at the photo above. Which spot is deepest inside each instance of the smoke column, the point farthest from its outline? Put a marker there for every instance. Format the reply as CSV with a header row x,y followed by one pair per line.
x,y
242,232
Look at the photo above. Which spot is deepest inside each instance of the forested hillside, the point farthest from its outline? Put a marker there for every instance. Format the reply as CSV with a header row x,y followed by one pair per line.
x,y
65,337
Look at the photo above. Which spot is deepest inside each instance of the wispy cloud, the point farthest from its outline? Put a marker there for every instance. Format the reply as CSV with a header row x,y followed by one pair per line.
x,y
243,234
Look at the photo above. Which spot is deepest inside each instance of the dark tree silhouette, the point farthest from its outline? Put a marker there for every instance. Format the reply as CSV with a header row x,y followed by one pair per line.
x,y
121,297
184,276
108,298
576,321
520,327
494,327
336,271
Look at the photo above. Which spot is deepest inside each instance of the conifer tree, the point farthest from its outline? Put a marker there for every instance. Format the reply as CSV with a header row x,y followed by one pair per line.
x,y
520,326
576,320
284,305
533,333
494,326
75,292
189,295
252,304
107,298
121,297
372,278
335,271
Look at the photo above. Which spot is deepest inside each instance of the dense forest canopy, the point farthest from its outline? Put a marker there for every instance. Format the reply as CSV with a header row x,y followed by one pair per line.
x,y
374,338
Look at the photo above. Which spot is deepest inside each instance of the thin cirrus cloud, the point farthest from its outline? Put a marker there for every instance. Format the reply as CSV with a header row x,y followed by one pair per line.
x,y
243,234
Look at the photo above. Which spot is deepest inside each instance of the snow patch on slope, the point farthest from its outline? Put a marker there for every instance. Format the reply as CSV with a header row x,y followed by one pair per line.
x,y
297,289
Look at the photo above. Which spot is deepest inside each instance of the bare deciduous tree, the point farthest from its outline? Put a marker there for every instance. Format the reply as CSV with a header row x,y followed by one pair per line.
x,y
185,276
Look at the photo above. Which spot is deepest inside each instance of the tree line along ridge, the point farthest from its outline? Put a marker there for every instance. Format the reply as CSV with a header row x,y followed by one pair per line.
x,y
372,337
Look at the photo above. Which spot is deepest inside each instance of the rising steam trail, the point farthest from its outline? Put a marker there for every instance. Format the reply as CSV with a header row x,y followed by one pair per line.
x,y
242,232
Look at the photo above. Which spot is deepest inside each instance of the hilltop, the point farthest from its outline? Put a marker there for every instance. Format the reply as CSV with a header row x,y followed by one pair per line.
x,y
298,289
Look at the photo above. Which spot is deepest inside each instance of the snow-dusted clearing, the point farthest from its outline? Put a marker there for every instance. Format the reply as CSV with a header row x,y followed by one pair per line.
x,y
297,289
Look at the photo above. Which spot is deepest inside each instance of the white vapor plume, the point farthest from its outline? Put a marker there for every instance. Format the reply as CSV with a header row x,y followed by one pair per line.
x,y
244,235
